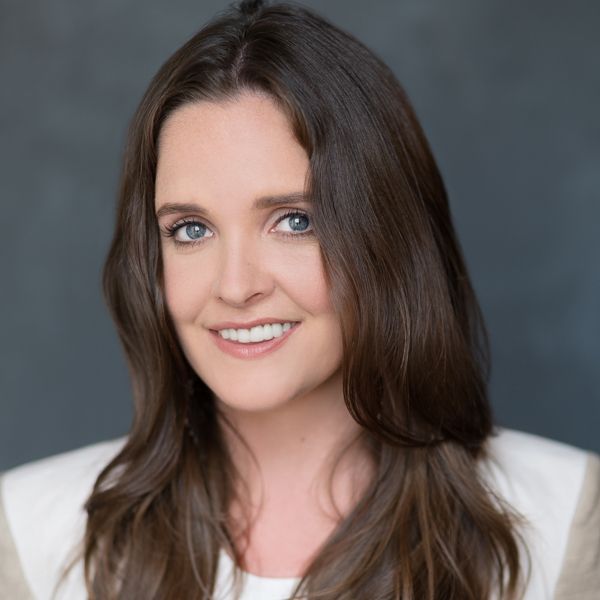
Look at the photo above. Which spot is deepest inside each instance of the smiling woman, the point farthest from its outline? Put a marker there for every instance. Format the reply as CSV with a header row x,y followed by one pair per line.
x,y
308,359
260,261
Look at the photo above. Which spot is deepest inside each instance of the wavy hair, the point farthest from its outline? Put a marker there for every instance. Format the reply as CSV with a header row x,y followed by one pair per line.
x,y
415,350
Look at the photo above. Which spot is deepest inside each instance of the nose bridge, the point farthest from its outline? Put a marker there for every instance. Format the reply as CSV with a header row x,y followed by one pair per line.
x,y
241,272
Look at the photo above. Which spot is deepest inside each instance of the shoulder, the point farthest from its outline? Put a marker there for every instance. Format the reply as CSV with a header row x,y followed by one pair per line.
x,y
42,509
547,482
532,469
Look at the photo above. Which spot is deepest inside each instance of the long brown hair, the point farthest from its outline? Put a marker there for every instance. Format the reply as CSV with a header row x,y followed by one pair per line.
x,y
415,363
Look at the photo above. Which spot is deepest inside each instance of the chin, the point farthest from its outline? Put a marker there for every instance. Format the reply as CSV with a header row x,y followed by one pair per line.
x,y
252,404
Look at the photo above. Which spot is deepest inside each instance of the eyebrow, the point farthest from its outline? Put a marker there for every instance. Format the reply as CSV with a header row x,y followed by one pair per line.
x,y
260,203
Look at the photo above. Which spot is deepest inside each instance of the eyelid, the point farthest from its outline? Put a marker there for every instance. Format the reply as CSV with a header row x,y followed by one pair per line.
x,y
291,213
170,230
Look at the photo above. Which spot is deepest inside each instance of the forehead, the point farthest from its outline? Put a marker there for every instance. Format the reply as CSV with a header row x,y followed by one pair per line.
x,y
242,147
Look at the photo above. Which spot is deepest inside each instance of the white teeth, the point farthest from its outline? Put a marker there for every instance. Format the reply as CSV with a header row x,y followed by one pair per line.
x,y
256,334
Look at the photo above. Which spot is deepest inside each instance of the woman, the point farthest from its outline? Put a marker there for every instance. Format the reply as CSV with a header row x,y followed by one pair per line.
x,y
308,359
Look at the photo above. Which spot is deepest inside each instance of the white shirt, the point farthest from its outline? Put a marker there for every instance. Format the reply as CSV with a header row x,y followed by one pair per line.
x,y
554,485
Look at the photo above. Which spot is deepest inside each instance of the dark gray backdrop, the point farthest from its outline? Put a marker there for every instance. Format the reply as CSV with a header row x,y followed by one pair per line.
x,y
508,93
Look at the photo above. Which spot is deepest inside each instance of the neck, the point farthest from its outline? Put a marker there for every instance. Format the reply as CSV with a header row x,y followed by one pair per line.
x,y
296,445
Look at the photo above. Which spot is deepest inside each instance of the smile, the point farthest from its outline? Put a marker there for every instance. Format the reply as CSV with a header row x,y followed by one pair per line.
x,y
249,350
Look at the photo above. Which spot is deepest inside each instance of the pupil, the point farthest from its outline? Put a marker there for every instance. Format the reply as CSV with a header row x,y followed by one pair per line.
x,y
194,231
297,218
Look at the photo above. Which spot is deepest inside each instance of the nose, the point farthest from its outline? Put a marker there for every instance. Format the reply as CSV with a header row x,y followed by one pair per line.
x,y
242,273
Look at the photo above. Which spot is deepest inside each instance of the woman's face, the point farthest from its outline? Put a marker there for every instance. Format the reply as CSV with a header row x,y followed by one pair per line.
x,y
241,263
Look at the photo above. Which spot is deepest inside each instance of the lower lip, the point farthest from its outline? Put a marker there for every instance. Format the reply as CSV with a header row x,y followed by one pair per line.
x,y
252,349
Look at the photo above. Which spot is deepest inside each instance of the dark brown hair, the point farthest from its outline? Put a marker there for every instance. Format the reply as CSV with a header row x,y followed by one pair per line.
x,y
415,363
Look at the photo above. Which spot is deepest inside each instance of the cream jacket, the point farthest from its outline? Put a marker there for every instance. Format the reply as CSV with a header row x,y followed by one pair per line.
x,y
554,485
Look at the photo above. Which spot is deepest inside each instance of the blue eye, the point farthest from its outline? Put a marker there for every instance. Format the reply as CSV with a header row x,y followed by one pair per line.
x,y
195,230
300,220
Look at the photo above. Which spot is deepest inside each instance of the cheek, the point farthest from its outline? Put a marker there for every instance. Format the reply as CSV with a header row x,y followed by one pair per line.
x,y
295,275
309,288
308,282
186,289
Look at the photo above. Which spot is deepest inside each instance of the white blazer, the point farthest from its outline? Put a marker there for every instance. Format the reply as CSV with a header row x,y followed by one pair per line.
x,y
554,485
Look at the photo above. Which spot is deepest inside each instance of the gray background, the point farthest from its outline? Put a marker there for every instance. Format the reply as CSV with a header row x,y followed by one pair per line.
x,y
508,93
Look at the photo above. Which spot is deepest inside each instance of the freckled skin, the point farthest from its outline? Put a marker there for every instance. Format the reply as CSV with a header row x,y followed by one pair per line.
x,y
223,156
288,405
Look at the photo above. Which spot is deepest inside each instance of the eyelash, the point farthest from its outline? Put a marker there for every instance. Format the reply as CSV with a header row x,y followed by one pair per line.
x,y
170,230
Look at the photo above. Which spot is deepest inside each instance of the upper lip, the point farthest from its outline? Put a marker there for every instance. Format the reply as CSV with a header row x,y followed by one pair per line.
x,y
248,324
